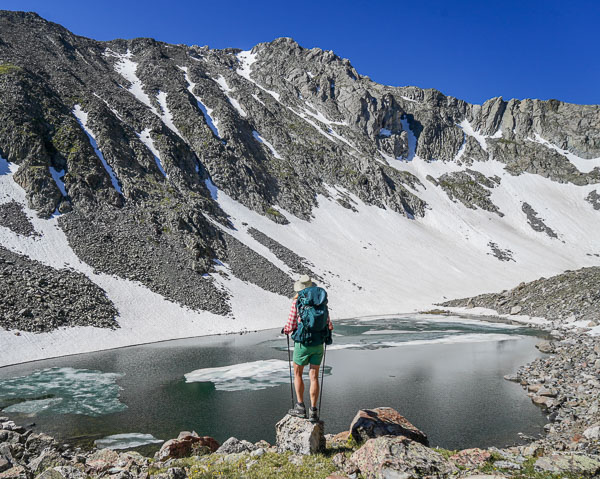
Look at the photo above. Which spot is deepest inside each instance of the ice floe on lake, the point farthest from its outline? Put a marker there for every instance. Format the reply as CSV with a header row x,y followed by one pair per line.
x,y
62,391
250,376
126,440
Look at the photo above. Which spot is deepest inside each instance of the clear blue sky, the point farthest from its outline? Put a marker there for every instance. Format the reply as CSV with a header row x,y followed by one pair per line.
x,y
473,50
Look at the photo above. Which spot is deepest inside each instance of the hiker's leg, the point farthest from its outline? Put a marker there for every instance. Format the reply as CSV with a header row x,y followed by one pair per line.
x,y
314,384
299,383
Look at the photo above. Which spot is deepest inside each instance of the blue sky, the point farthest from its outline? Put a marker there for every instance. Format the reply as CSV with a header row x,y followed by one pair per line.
x,y
473,50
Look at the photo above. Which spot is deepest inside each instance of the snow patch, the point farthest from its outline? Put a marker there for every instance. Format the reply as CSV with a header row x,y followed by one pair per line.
x,y
82,118
207,112
127,68
166,116
147,140
227,90
57,176
260,139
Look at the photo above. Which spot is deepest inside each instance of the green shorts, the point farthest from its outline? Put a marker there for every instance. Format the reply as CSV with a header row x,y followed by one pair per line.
x,y
304,355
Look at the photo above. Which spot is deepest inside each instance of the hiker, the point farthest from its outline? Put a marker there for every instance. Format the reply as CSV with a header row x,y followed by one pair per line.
x,y
310,327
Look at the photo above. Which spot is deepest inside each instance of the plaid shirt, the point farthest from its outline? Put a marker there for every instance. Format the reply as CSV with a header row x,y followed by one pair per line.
x,y
293,318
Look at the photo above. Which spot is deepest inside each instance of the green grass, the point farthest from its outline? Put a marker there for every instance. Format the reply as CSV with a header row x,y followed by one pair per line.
x,y
270,465
528,472
273,211
6,68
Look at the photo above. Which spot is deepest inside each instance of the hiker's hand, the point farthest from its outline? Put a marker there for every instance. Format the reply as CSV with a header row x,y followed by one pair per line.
x,y
330,327
282,330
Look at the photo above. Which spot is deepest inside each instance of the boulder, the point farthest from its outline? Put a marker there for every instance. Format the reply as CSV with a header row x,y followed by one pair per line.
x,y
4,464
235,446
101,460
568,463
401,457
336,440
299,435
471,458
184,446
545,347
48,458
36,443
592,433
384,421
16,472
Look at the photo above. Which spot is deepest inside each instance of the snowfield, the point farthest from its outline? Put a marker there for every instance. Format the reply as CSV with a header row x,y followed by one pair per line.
x,y
373,261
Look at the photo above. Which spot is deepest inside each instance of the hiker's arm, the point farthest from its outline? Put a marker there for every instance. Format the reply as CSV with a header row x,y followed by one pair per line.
x,y
292,321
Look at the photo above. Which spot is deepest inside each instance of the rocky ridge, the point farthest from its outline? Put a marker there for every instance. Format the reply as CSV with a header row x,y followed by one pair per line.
x,y
139,137
564,298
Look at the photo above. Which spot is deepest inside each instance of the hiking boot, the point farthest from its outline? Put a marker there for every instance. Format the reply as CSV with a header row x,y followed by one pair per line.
x,y
298,411
313,414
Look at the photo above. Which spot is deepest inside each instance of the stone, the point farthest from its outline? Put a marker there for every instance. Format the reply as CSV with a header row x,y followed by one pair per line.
x,y
50,474
235,446
513,466
592,433
545,347
15,472
568,463
101,460
471,458
515,309
258,452
344,463
338,439
547,392
36,443
48,458
185,446
399,456
4,464
299,435
384,421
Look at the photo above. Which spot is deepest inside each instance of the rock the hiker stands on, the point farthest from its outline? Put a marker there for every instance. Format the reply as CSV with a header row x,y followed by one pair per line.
x,y
384,421
299,435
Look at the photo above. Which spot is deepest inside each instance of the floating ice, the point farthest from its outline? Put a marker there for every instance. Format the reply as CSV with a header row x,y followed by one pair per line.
x,y
62,391
246,376
126,441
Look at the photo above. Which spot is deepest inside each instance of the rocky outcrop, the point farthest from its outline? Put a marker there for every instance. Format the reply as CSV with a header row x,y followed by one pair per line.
x,y
536,223
384,421
471,188
37,298
400,457
299,435
566,297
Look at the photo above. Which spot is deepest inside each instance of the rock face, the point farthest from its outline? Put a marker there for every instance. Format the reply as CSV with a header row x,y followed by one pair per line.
x,y
299,436
384,421
119,138
584,466
573,294
184,446
388,457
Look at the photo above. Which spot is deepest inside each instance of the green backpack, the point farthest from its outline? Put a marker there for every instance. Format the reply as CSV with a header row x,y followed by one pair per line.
x,y
313,328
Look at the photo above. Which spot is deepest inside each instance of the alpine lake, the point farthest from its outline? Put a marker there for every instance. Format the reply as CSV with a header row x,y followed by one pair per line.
x,y
444,374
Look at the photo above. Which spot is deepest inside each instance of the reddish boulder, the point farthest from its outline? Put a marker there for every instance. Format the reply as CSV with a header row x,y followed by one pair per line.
x,y
384,421
184,446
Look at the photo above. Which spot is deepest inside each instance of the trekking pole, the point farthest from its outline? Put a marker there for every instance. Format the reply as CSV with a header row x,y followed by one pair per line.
x,y
322,378
290,365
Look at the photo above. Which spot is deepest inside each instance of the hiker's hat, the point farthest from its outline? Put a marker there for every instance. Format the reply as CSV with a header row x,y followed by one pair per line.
x,y
302,283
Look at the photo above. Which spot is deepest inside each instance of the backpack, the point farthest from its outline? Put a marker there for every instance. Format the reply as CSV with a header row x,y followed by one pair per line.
x,y
312,309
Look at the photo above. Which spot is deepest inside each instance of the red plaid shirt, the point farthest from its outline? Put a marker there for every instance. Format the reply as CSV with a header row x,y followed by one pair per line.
x,y
293,318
